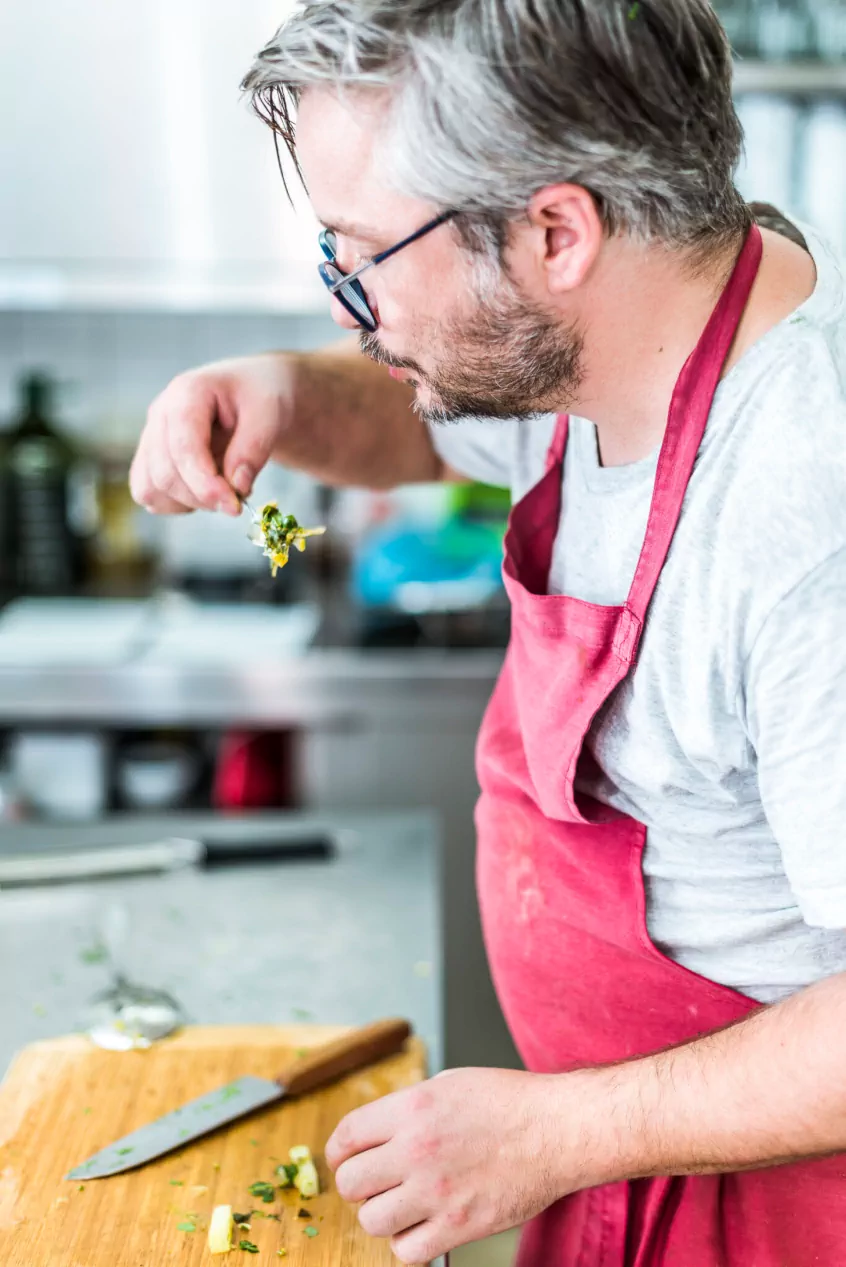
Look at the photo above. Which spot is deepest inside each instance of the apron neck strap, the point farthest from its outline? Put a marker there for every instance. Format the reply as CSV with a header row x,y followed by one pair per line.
x,y
688,418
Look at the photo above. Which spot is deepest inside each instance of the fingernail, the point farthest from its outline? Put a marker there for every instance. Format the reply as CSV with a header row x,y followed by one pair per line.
x,y
242,480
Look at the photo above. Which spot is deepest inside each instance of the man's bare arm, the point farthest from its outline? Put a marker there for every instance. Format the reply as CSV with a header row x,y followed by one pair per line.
x,y
767,1090
352,423
333,413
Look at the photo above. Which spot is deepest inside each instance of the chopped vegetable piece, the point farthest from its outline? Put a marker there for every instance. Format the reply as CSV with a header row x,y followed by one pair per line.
x,y
275,533
265,1191
281,1253
188,1226
220,1230
86,1111
307,1182
81,1188
299,1154
177,1183
94,954
124,1152
248,1247
311,1230
287,1173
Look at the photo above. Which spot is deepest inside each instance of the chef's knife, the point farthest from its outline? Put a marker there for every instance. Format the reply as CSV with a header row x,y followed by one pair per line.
x,y
171,854
235,1100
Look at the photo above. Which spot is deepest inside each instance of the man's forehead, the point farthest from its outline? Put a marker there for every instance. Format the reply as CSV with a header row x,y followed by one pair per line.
x,y
336,147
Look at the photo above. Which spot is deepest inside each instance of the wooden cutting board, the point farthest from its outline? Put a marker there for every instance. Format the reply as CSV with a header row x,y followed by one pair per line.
x,y
64,1099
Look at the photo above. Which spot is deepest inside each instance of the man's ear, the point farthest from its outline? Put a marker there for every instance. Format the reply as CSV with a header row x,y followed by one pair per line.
x,y
573,234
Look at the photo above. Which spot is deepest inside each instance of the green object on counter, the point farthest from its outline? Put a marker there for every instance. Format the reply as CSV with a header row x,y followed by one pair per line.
x,y
479,501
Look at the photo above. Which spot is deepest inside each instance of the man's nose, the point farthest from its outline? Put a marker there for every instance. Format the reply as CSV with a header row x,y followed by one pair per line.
x,y
341,316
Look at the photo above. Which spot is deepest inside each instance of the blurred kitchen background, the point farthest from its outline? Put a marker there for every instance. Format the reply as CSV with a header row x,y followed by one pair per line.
x,y
153,678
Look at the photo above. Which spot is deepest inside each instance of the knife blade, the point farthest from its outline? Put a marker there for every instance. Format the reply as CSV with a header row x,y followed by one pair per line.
x,y
245,1095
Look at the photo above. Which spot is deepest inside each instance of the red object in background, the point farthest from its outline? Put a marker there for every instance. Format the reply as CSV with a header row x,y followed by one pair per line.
x,y
254,771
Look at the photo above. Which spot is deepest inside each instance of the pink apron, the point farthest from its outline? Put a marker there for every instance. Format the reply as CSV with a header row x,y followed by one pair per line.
x,y
561,886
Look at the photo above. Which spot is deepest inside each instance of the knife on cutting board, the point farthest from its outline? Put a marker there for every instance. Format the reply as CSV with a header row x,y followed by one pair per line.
x,y
236,1099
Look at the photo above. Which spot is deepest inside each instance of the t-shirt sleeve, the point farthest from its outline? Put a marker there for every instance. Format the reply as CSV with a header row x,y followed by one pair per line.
x,y
796,713
481,448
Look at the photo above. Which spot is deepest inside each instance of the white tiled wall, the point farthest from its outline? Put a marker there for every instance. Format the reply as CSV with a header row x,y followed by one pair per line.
x,y
111,365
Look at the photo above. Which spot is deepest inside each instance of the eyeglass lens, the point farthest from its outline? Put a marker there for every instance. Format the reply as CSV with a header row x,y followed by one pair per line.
x,y
351,294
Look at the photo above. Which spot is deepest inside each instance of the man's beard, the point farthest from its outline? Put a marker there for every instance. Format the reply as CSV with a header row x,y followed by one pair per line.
x,y
510,359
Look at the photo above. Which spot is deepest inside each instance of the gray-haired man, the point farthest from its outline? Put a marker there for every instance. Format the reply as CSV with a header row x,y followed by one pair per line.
x,y
661,861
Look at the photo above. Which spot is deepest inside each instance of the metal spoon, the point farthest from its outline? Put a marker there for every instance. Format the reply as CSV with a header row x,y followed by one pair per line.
x,y
126,1016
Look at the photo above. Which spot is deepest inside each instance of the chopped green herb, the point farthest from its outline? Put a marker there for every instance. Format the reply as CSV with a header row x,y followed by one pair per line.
x,y
301,1014
248,1247
86,1112
188,1226
265,1191
311,1230
245,1227
81,1188
94,954
299,1052
254,1143
229,1093
177,1183
634,11
287,1172
303,1214
39,1009
124,1152
242,1218
184,1134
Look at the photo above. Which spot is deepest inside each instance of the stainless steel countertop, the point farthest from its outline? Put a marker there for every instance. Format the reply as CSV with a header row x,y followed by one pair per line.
x,y
344,941
323,687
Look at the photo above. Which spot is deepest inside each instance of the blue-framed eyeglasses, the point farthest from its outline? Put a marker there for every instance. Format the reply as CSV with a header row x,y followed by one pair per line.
x,y
345,286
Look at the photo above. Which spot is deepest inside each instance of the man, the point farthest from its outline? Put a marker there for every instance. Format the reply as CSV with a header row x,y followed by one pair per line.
x,y
661,866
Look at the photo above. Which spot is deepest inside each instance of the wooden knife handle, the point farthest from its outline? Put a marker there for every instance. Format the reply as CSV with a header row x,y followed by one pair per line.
x,y
354,1050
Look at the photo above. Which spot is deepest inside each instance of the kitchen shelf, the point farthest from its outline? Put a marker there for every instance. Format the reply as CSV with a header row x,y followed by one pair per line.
x,y
73,285
796,78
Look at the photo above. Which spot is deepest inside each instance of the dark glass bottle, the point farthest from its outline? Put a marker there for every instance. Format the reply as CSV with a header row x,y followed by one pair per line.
x,y
44,554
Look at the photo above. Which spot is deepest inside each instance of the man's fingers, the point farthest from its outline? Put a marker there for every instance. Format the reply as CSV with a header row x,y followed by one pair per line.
x,y
251,446
188,430
364,1128
168,485
368,1174
142,482
392,1213
422,1244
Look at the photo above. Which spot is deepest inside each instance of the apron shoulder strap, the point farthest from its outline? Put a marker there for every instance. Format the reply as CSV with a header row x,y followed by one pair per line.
x,y
688,418
556,450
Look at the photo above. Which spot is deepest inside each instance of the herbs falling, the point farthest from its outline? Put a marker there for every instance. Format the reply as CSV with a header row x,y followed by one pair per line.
x,y
276,534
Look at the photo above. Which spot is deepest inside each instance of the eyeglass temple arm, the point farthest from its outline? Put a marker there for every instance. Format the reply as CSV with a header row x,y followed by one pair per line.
x,y
392,250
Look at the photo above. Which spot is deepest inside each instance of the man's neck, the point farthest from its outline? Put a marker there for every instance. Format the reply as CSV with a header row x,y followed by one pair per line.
x,y
646,312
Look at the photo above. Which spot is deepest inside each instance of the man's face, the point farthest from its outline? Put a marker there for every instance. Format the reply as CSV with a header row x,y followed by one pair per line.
x,y
452,323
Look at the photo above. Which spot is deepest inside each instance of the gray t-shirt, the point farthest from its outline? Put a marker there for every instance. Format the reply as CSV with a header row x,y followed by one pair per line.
x,y
728,739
